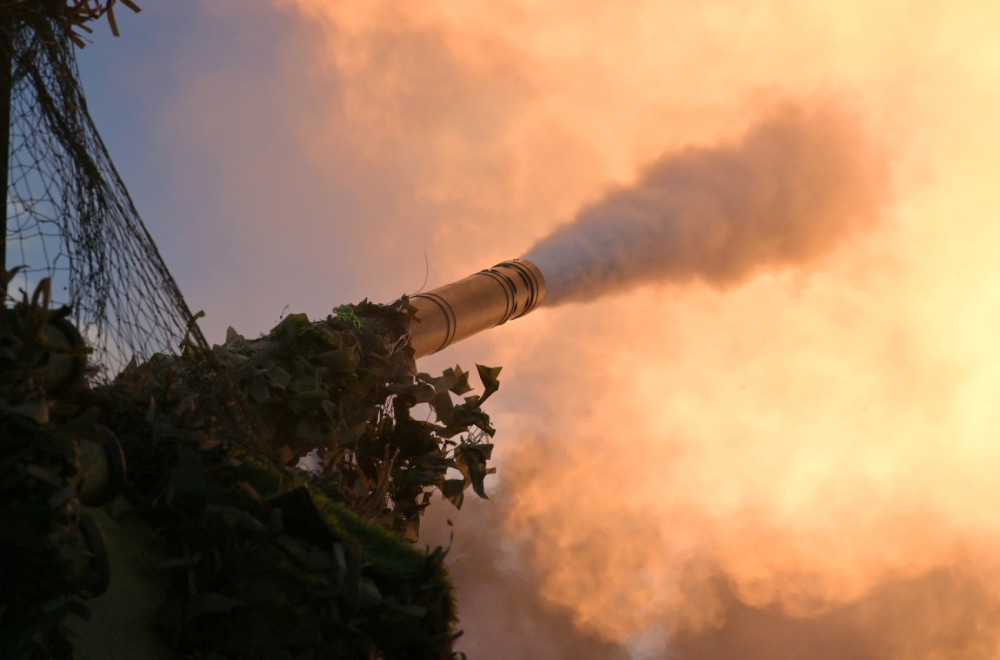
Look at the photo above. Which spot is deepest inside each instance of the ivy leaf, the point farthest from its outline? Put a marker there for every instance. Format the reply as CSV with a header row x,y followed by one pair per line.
x,y
308,430
488,376
461,380
338,362
411,530
443,407
279,377
369,595
471,461
349,436
258,389
453,490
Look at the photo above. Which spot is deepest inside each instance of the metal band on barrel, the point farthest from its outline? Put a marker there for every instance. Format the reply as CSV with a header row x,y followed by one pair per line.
x,y
481,301
509,289
449,316
531,283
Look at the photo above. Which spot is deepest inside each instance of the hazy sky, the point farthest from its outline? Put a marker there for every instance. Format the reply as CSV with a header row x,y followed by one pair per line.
x,y
802,463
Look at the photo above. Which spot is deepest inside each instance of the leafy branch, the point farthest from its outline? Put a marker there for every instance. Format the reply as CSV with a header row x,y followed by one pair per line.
x,y
73,16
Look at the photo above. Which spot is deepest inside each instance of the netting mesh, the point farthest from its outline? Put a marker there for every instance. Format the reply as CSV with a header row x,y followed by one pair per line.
x,y
68,214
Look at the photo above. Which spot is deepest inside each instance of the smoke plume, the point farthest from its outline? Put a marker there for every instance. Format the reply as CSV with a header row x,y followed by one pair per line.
x,y
792,188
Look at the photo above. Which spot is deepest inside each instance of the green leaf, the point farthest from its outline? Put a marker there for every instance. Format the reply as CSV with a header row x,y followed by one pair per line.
x,y
279,376
211,603
369,595
306,555
443,406
488,376
330,409
411,530
338,362
308,430
258,389
461,381
453,490
471,461
349,436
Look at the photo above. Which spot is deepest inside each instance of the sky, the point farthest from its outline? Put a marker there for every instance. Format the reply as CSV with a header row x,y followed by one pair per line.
x,y
795,460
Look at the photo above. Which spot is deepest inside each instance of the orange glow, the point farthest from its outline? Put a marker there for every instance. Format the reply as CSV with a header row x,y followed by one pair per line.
x,y
821,439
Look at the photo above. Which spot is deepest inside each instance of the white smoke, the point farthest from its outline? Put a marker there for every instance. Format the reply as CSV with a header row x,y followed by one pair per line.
x,y
794,186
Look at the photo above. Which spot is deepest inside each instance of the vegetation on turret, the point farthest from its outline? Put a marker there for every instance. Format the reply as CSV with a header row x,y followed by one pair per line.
x,y
263,558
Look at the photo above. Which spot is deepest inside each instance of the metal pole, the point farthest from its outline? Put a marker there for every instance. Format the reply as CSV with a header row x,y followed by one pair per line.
x,y
6,60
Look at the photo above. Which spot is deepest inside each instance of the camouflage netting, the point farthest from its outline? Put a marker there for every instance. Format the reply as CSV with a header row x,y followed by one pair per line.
x,y
68,214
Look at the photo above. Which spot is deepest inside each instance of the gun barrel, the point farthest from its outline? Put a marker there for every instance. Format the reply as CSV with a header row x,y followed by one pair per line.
x,y
481,301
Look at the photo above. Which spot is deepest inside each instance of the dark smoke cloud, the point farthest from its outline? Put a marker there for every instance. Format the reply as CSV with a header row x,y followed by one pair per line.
x,y
797,183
